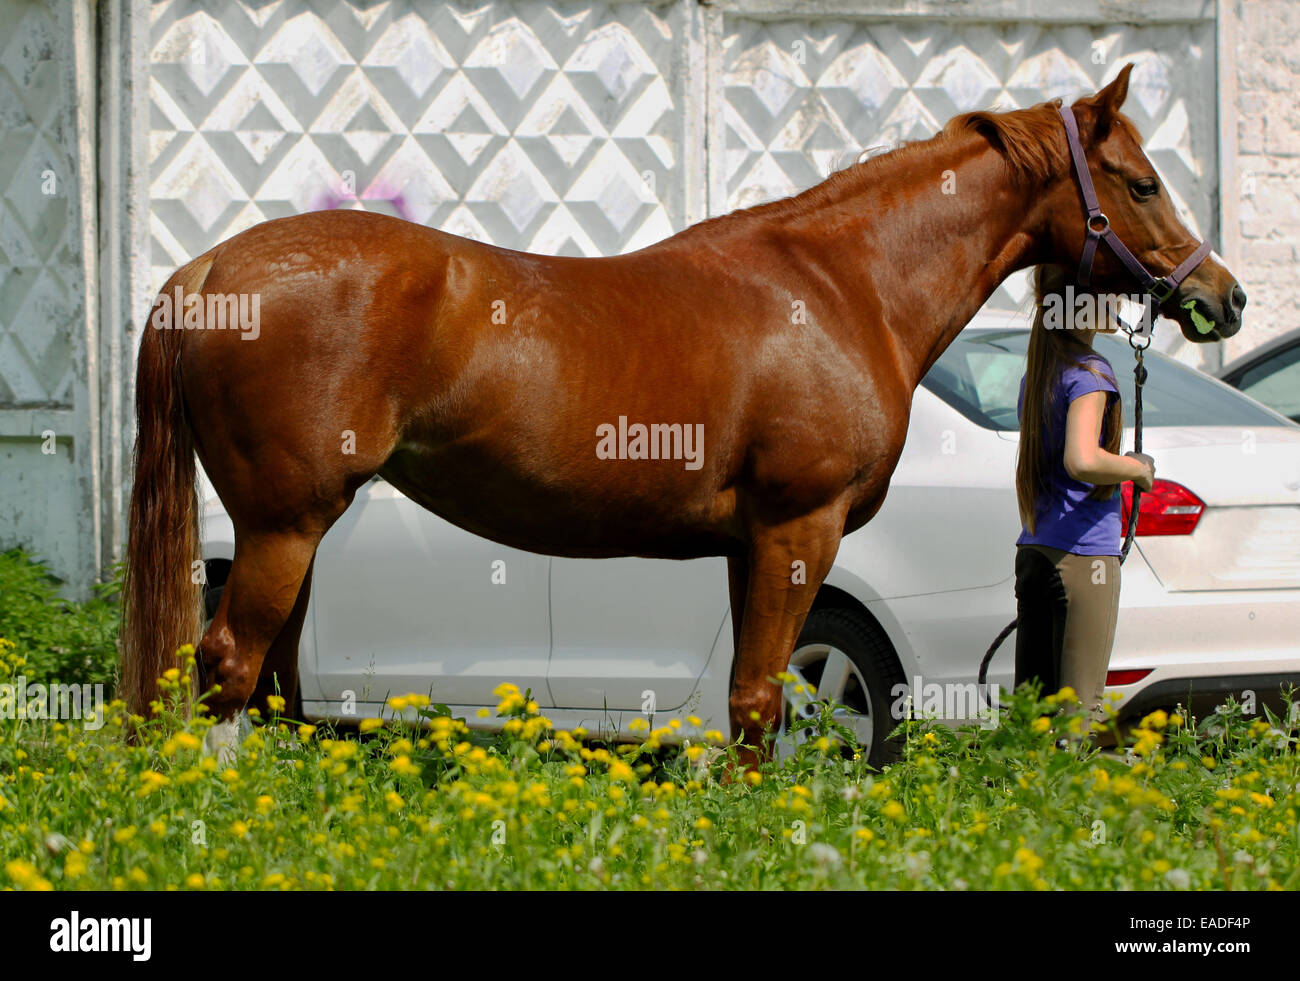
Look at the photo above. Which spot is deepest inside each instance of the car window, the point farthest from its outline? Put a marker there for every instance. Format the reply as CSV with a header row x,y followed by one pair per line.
x,y
979,376
1276,382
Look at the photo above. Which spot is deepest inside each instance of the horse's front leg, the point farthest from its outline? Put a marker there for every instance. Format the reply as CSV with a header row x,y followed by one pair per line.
x,y
786,565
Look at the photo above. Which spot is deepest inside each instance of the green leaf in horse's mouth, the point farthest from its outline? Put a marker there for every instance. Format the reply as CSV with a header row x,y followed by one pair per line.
x,y
1202,324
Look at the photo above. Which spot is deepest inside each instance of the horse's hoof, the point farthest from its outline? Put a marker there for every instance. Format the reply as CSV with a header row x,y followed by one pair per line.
x,y
224,738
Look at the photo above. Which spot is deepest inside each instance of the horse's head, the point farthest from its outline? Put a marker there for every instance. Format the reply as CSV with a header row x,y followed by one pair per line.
x,y
1207,304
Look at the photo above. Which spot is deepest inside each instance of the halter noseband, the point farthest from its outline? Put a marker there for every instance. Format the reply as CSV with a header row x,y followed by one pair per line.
x,y
1098,228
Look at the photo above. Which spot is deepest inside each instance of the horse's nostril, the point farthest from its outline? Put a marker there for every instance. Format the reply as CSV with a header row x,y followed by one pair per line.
x,y
1237,300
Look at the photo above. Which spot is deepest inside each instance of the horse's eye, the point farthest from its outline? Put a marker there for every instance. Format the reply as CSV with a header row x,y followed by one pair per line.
x,y
1147,187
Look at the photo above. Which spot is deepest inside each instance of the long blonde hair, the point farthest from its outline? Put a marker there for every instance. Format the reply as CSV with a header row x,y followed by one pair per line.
x,y
1051,351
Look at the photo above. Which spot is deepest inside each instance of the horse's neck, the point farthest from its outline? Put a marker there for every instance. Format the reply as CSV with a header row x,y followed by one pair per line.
x,y
936,235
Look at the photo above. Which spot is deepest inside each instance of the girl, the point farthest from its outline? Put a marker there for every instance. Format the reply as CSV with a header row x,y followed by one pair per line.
x,y
1068,473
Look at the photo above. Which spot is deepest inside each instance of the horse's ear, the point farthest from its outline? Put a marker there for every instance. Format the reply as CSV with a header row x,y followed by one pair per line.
x,y
1112,97
1108,101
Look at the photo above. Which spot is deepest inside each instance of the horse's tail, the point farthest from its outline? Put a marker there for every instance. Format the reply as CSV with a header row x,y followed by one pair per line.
x,y
161,602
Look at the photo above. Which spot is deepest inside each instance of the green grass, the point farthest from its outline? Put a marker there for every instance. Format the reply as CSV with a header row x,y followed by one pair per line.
x,y
59,640
417,800
426,806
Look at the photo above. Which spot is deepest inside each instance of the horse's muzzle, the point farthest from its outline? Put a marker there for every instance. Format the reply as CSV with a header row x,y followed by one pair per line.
x,y
1205,317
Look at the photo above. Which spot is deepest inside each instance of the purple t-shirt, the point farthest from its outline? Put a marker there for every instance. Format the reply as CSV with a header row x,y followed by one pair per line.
x,y
1067,518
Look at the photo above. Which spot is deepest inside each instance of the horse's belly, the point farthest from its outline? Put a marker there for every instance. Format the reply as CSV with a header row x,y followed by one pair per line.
x,y
557,511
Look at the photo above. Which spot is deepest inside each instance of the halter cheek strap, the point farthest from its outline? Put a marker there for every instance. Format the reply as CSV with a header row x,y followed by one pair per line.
x,y
1099,230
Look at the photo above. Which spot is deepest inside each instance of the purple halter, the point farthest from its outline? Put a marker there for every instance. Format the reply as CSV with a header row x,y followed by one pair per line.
x,y
1098,228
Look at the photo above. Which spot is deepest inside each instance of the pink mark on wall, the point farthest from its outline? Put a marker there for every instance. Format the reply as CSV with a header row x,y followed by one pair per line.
x,y
377,193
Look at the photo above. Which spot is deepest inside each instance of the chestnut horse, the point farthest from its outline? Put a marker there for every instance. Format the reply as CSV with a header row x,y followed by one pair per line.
x,y
478,381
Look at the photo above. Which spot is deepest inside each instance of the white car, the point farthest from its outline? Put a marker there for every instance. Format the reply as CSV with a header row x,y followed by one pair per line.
x,y
1210,604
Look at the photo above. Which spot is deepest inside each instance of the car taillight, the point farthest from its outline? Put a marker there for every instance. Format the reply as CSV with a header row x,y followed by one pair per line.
x,y
1166,509
1131,676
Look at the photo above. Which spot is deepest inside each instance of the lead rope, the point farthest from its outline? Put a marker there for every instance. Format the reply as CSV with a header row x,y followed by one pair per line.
x,y
1139,379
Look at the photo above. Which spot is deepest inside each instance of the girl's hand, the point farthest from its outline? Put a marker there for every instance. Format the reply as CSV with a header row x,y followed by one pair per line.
x,y
1145,478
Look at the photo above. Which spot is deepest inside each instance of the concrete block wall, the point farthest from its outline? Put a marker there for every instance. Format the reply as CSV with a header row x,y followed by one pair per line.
x,y
1264,181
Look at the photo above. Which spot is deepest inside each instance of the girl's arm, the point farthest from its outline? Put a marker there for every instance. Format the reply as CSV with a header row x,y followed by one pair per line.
x,y
1085,460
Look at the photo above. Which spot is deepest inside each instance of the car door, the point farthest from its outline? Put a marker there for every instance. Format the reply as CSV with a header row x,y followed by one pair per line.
x,y
623,628
404,601
1275,381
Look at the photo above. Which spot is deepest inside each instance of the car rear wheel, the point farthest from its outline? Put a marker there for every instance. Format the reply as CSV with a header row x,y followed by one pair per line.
x,y
211,600
848,659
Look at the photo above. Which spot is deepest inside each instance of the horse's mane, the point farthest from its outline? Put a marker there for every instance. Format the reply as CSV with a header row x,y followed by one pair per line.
x,y
1031,141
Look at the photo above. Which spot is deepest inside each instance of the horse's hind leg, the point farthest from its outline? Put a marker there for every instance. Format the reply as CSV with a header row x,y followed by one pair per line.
x,y
265,596
279,674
